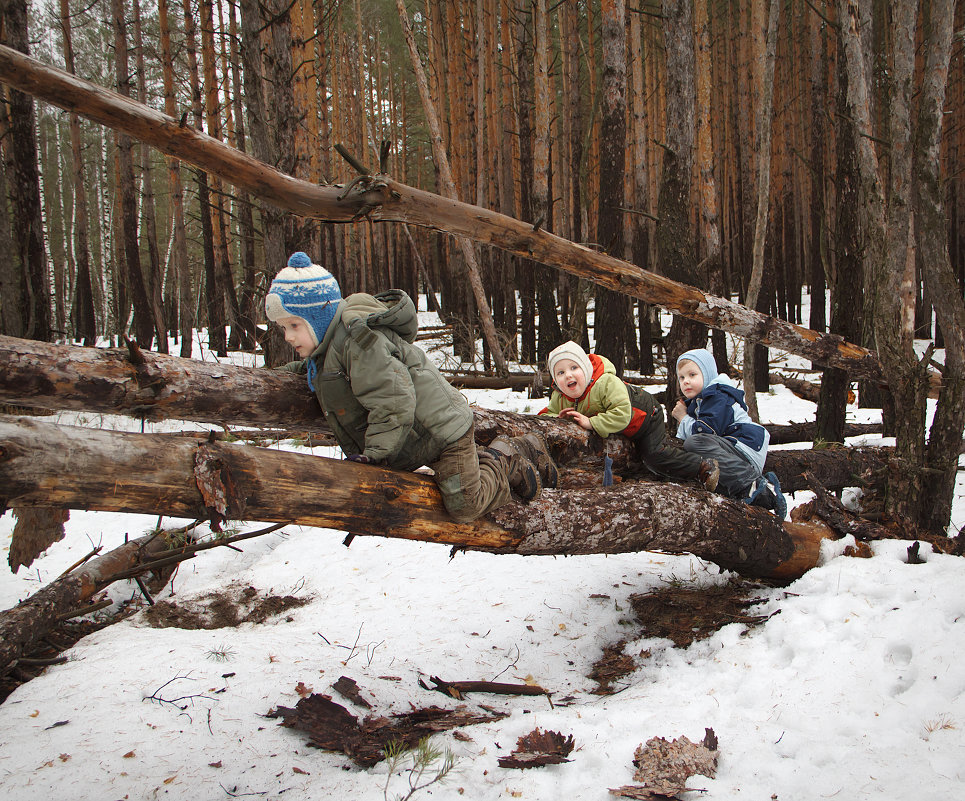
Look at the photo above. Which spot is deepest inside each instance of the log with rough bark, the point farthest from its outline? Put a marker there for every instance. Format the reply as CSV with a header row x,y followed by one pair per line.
x,y
153,386
26,623
383,199
51,465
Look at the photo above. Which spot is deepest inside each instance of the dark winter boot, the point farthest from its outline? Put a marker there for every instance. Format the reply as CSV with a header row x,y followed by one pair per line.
x,y
520,471
766,493
534,448
709,474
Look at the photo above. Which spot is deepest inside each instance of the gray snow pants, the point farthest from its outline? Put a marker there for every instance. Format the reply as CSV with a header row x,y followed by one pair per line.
x,y
737,472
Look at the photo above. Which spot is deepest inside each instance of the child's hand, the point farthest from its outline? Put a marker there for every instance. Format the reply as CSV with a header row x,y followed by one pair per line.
x,y
679,411
580,419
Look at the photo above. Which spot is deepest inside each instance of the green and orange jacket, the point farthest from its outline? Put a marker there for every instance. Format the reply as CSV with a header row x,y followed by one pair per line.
x,y
606,401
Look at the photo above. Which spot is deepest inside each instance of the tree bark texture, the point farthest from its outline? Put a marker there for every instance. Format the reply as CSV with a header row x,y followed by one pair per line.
x,y
63,466
24,624
157,387
384,199
24,184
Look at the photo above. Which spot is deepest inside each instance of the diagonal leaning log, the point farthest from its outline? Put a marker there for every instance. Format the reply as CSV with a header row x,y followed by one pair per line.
x,y
45,464
382,199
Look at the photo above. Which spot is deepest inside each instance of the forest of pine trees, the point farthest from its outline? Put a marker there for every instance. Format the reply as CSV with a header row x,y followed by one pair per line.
x,y
756,150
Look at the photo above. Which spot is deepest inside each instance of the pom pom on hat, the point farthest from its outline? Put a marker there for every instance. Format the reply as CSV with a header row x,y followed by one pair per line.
x,y
305,290
569,350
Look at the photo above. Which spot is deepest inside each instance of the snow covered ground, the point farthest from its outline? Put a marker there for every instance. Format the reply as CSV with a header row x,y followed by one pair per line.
x,y
853,688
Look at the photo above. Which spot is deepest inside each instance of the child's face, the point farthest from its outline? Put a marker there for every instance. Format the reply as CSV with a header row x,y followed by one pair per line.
x,y
570,378
690,378
298,335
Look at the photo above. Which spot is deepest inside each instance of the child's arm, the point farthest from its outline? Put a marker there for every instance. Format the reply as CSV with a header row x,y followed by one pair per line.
x,y
685,423
611,396
555,404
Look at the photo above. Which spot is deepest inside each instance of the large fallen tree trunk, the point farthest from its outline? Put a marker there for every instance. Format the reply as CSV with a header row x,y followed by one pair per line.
x,y
383,199
153,386
45,464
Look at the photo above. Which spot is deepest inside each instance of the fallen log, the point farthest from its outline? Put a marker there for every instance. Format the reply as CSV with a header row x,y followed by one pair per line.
x,y
383,199
26,623
804,432
65,466
154,386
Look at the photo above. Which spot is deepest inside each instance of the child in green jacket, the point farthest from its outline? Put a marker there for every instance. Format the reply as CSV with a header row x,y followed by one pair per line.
x,y
386,402
587,391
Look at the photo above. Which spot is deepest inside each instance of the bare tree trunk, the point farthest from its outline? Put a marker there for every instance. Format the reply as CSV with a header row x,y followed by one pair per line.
x,y
24,181
84,323
449,187
675,235
613,311
143,320
155,274
945,436
846,269
763,150
889,255
550,334
182,269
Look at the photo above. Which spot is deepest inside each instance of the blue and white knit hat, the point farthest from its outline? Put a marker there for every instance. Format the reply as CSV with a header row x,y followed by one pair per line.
x,y
305,290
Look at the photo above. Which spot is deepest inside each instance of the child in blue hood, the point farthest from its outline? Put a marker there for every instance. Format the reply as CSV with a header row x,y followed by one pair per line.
x,y
714,423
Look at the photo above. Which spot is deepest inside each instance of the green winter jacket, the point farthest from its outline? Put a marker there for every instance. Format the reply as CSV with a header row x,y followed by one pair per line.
x,y
380,393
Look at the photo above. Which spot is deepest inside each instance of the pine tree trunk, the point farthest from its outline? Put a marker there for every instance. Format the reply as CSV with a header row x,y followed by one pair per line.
x,y
155,275
439,155
143,319
84,323
945,434
613,311
24,182
182,270
675,235
762,149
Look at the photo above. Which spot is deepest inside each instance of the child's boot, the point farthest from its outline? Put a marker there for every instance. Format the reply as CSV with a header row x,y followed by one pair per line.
x,y
534,448
709,474
521,473
766,493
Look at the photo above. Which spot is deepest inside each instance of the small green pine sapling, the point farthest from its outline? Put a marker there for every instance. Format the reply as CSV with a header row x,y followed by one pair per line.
x,y
425,760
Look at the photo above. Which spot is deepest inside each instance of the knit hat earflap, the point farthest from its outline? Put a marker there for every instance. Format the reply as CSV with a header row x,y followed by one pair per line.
x,y
569,350
305,290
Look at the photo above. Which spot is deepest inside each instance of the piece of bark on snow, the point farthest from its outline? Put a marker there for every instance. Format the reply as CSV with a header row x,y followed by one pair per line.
x,y
119,471
664,766
36,529
349,689
539,748
330,726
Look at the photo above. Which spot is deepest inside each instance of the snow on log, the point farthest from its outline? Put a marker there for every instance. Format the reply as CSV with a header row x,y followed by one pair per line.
x,y
70,467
